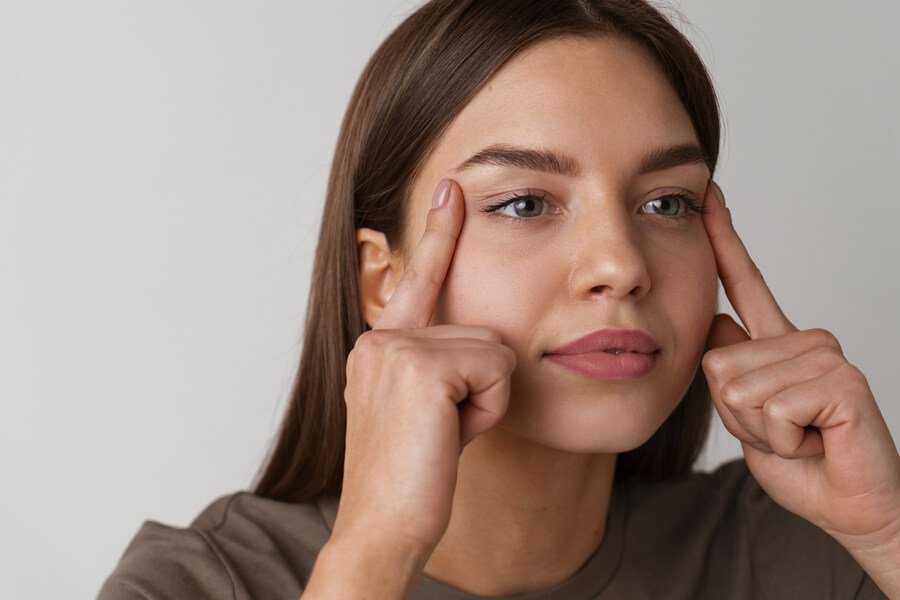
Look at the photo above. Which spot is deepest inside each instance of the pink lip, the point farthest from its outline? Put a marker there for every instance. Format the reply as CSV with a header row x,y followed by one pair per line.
x,y
587,355
630,340
602,365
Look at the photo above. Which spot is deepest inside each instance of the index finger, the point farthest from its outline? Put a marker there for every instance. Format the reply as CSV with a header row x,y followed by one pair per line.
x,y
412,303
743,282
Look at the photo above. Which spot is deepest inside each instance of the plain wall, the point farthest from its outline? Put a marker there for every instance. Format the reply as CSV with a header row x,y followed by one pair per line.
x,y
162,175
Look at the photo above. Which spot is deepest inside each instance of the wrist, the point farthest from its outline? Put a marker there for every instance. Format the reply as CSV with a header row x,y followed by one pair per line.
x,y
884,541
879,556
355,567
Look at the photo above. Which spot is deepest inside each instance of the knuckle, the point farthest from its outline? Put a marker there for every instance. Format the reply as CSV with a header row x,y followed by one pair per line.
x,y
713,361
370,342
773,411
733,395
368,348
855,377
374,338
823,337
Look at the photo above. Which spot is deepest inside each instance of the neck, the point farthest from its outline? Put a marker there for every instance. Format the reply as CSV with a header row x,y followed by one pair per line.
x,y
525,516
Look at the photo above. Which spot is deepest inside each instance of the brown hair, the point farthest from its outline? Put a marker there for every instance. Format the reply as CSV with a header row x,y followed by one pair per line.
x,y
417,81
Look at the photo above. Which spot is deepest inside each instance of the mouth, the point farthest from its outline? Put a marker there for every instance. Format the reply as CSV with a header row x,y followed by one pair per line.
x,y
611,341
607,364
608,354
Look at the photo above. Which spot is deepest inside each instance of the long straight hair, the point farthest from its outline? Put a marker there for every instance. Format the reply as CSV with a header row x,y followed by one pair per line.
x,y
413,86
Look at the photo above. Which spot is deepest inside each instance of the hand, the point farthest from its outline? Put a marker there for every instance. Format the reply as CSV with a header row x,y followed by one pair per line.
x,y
810,429
415,396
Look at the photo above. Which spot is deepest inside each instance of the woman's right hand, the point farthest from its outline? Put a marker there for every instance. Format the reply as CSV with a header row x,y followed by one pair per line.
x,y
416,395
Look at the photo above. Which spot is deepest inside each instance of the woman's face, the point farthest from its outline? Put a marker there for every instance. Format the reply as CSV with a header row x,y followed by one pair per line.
x,y
603,249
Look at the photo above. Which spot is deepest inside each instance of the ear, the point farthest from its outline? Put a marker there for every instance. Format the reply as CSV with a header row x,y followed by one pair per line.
x,y
379,272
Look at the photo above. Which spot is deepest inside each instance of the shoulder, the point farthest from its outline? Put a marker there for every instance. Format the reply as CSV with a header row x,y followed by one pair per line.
x,y
239,546
165,561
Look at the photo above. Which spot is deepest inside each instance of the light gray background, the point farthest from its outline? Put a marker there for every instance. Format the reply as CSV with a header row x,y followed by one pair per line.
x,y
162,174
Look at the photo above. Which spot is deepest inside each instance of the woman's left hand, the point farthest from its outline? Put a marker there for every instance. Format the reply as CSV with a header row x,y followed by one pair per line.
x,y
811,432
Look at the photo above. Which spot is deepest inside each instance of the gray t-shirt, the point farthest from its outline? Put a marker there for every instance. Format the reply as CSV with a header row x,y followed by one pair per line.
x,y
713,535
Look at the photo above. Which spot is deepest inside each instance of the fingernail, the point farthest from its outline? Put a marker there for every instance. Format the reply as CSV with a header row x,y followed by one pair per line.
x,y
719,195
441,194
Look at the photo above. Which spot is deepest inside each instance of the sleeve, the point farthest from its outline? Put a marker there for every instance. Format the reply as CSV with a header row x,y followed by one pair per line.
x,y
164,562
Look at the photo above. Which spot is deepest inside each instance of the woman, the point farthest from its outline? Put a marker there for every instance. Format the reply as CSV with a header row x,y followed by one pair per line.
x,y
512,346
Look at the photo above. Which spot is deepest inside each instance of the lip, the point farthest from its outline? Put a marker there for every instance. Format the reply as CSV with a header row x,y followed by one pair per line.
x,y
587,355
630,340
603,365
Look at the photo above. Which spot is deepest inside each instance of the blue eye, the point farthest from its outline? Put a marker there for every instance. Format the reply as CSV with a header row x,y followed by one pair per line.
x,y
529,203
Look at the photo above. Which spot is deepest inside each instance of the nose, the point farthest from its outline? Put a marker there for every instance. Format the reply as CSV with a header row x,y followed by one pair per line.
x,y
608,261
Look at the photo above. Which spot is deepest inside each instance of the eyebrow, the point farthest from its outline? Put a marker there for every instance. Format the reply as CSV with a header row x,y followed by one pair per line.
x,y
547,161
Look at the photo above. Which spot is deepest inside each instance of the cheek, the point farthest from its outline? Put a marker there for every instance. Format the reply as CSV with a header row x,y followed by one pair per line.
x,y
686,279
688,271
490,285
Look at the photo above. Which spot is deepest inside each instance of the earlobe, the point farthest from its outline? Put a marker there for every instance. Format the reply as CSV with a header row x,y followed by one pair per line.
x,y
378,273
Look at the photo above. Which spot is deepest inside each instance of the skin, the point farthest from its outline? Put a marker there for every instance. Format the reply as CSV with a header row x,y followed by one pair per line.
x,y
532,493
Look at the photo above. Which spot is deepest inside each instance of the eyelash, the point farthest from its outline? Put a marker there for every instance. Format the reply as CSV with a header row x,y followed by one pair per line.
x,y
686,198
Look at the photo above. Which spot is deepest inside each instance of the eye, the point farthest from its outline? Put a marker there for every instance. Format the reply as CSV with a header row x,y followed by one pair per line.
x,y
667,201
528,206
525,207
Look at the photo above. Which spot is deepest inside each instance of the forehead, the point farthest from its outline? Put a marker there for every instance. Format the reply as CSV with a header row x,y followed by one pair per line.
x,y
604,99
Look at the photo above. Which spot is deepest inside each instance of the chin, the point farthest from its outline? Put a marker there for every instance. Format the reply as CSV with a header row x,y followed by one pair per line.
x,y
599,431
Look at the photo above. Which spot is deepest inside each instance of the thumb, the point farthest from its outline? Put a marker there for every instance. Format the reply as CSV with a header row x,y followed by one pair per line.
x,y
724,332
